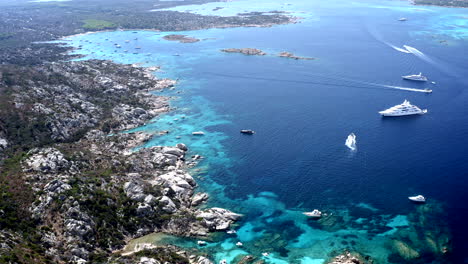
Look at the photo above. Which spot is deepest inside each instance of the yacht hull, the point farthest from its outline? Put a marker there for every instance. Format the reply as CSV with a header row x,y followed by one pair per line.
x,y
403,114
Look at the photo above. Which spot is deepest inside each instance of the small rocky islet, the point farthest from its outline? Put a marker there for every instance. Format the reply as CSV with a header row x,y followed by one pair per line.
x,y
254,51
181,38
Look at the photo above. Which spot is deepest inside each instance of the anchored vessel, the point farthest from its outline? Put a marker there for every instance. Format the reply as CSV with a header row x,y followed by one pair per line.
x,y
418,198
406,108
247,131
415,77
315,213
198,133
402,19
351,141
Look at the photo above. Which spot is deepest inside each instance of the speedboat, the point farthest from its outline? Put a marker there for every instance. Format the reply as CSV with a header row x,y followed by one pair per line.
x,y
415,77
247,131
418,199
198,133
402,19
231,232
315,213
404,109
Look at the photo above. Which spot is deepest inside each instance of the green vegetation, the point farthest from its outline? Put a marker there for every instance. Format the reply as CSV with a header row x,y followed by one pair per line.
x,y
95,24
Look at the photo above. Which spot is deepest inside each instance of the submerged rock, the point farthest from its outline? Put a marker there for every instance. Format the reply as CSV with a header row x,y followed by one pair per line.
x,y
404,250
350,258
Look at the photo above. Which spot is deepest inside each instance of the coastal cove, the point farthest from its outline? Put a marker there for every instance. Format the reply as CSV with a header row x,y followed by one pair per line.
x,y
302,112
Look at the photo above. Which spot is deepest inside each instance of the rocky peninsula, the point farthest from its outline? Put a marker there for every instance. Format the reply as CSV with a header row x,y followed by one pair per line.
x,y
180,38
74,188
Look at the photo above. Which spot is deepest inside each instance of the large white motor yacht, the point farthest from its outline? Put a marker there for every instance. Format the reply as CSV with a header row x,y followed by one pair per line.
x,y
406,108
415,77
418,198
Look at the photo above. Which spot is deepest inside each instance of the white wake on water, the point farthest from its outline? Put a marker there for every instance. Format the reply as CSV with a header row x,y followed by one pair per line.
x,y
399,49
408,89
351,142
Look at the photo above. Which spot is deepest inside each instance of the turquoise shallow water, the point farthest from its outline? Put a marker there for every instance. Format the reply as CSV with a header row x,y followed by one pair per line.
x,y
303,111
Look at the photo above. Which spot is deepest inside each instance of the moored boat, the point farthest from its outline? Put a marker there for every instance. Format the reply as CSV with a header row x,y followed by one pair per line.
x,y
404,109
198,133
247,131
415,77
417,199
315,213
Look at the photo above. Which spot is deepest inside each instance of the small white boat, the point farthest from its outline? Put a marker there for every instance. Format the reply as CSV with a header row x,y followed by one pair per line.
x,y
201,243
402,19
418,199
315,213
265,254
198,133
351,141
231,232
239,244
223,261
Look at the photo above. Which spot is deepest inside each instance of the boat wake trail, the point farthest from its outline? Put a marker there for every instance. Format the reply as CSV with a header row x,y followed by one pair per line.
x,y
419,54
398,49
351,142
407,89
346,82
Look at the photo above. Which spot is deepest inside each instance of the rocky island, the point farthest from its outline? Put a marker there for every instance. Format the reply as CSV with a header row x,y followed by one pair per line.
x,y
285,54
245,51
453,3
180,38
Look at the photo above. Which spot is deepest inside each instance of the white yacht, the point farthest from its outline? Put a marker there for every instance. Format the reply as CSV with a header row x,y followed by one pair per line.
x,y
418,198
198,133
265,254
201,242
402,19
239,244
231,232
351,141
406,108
415,77
315,213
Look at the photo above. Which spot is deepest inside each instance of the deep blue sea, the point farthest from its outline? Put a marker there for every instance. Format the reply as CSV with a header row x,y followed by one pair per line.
x,y
303,111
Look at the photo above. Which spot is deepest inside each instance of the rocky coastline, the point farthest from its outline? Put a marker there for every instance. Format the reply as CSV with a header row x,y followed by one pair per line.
x,y
78,184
